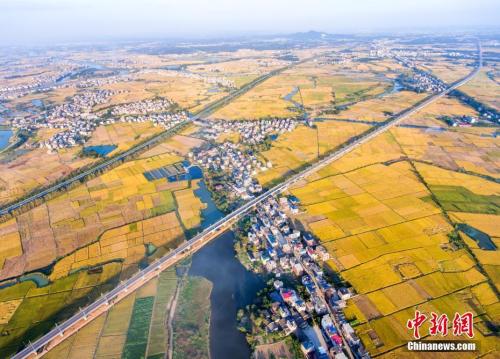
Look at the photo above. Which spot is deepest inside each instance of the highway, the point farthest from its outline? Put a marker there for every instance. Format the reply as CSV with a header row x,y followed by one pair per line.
x,y
70,326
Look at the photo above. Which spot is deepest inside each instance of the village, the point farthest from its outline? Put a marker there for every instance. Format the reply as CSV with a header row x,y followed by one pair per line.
x,y
421,81
250,132
142,107
218,81
314,316
232,167
237,165
77,122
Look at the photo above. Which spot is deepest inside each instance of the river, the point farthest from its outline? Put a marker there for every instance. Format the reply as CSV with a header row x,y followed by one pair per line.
x,y
233,287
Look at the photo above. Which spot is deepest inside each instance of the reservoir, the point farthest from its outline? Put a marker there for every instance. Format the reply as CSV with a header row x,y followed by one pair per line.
x,y
233,287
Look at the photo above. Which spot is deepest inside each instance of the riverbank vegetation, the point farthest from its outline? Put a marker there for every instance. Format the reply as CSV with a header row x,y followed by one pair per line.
x,y
192,319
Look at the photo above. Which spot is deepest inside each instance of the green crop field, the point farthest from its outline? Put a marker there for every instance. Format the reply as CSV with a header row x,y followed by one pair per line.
x,y
455,198
167,283
137,335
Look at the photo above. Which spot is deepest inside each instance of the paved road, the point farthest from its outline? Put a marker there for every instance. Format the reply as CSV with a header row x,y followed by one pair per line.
x,y
200,239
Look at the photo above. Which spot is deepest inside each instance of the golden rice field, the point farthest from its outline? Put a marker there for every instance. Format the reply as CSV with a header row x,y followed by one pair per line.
x,y
319,85
451,149
123,135
390,242
448,71
126,243
483,88
189,206
487,223
297,148
357,202
377,109
473,201
10,241
7,310
445,106
78,217
380,149
27,172
263,100
180,144
435,176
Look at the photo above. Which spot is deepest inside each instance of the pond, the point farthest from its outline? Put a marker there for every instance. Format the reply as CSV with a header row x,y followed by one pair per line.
x,y
37,102
4,138
483,240
233,286
101,151
193,172
39,279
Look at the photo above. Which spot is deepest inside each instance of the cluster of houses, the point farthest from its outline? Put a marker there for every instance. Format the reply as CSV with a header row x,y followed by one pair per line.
x,y
275,246
80,104
101,81
380,50
74,119
240,167
77,122
21,88
81,129
421,81
165,120
460,121
143,107
211,80
24,90
251,132
42,82
68,115
78,132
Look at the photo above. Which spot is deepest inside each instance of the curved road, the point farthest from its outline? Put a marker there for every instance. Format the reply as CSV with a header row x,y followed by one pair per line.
x,y
38,347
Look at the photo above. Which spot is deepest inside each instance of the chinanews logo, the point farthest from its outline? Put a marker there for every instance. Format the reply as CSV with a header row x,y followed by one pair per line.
x,y
461,326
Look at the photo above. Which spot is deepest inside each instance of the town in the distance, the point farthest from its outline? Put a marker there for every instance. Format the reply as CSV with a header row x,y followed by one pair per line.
x,y
301,195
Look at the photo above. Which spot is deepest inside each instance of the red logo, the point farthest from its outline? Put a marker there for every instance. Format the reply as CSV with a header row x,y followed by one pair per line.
x,y
439,324
462,324
416,323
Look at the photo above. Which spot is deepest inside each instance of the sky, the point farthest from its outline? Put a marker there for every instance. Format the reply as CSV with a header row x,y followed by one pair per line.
x,y
59,21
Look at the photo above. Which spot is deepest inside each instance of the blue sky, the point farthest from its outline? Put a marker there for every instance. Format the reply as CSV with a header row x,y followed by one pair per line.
x,y
47,21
